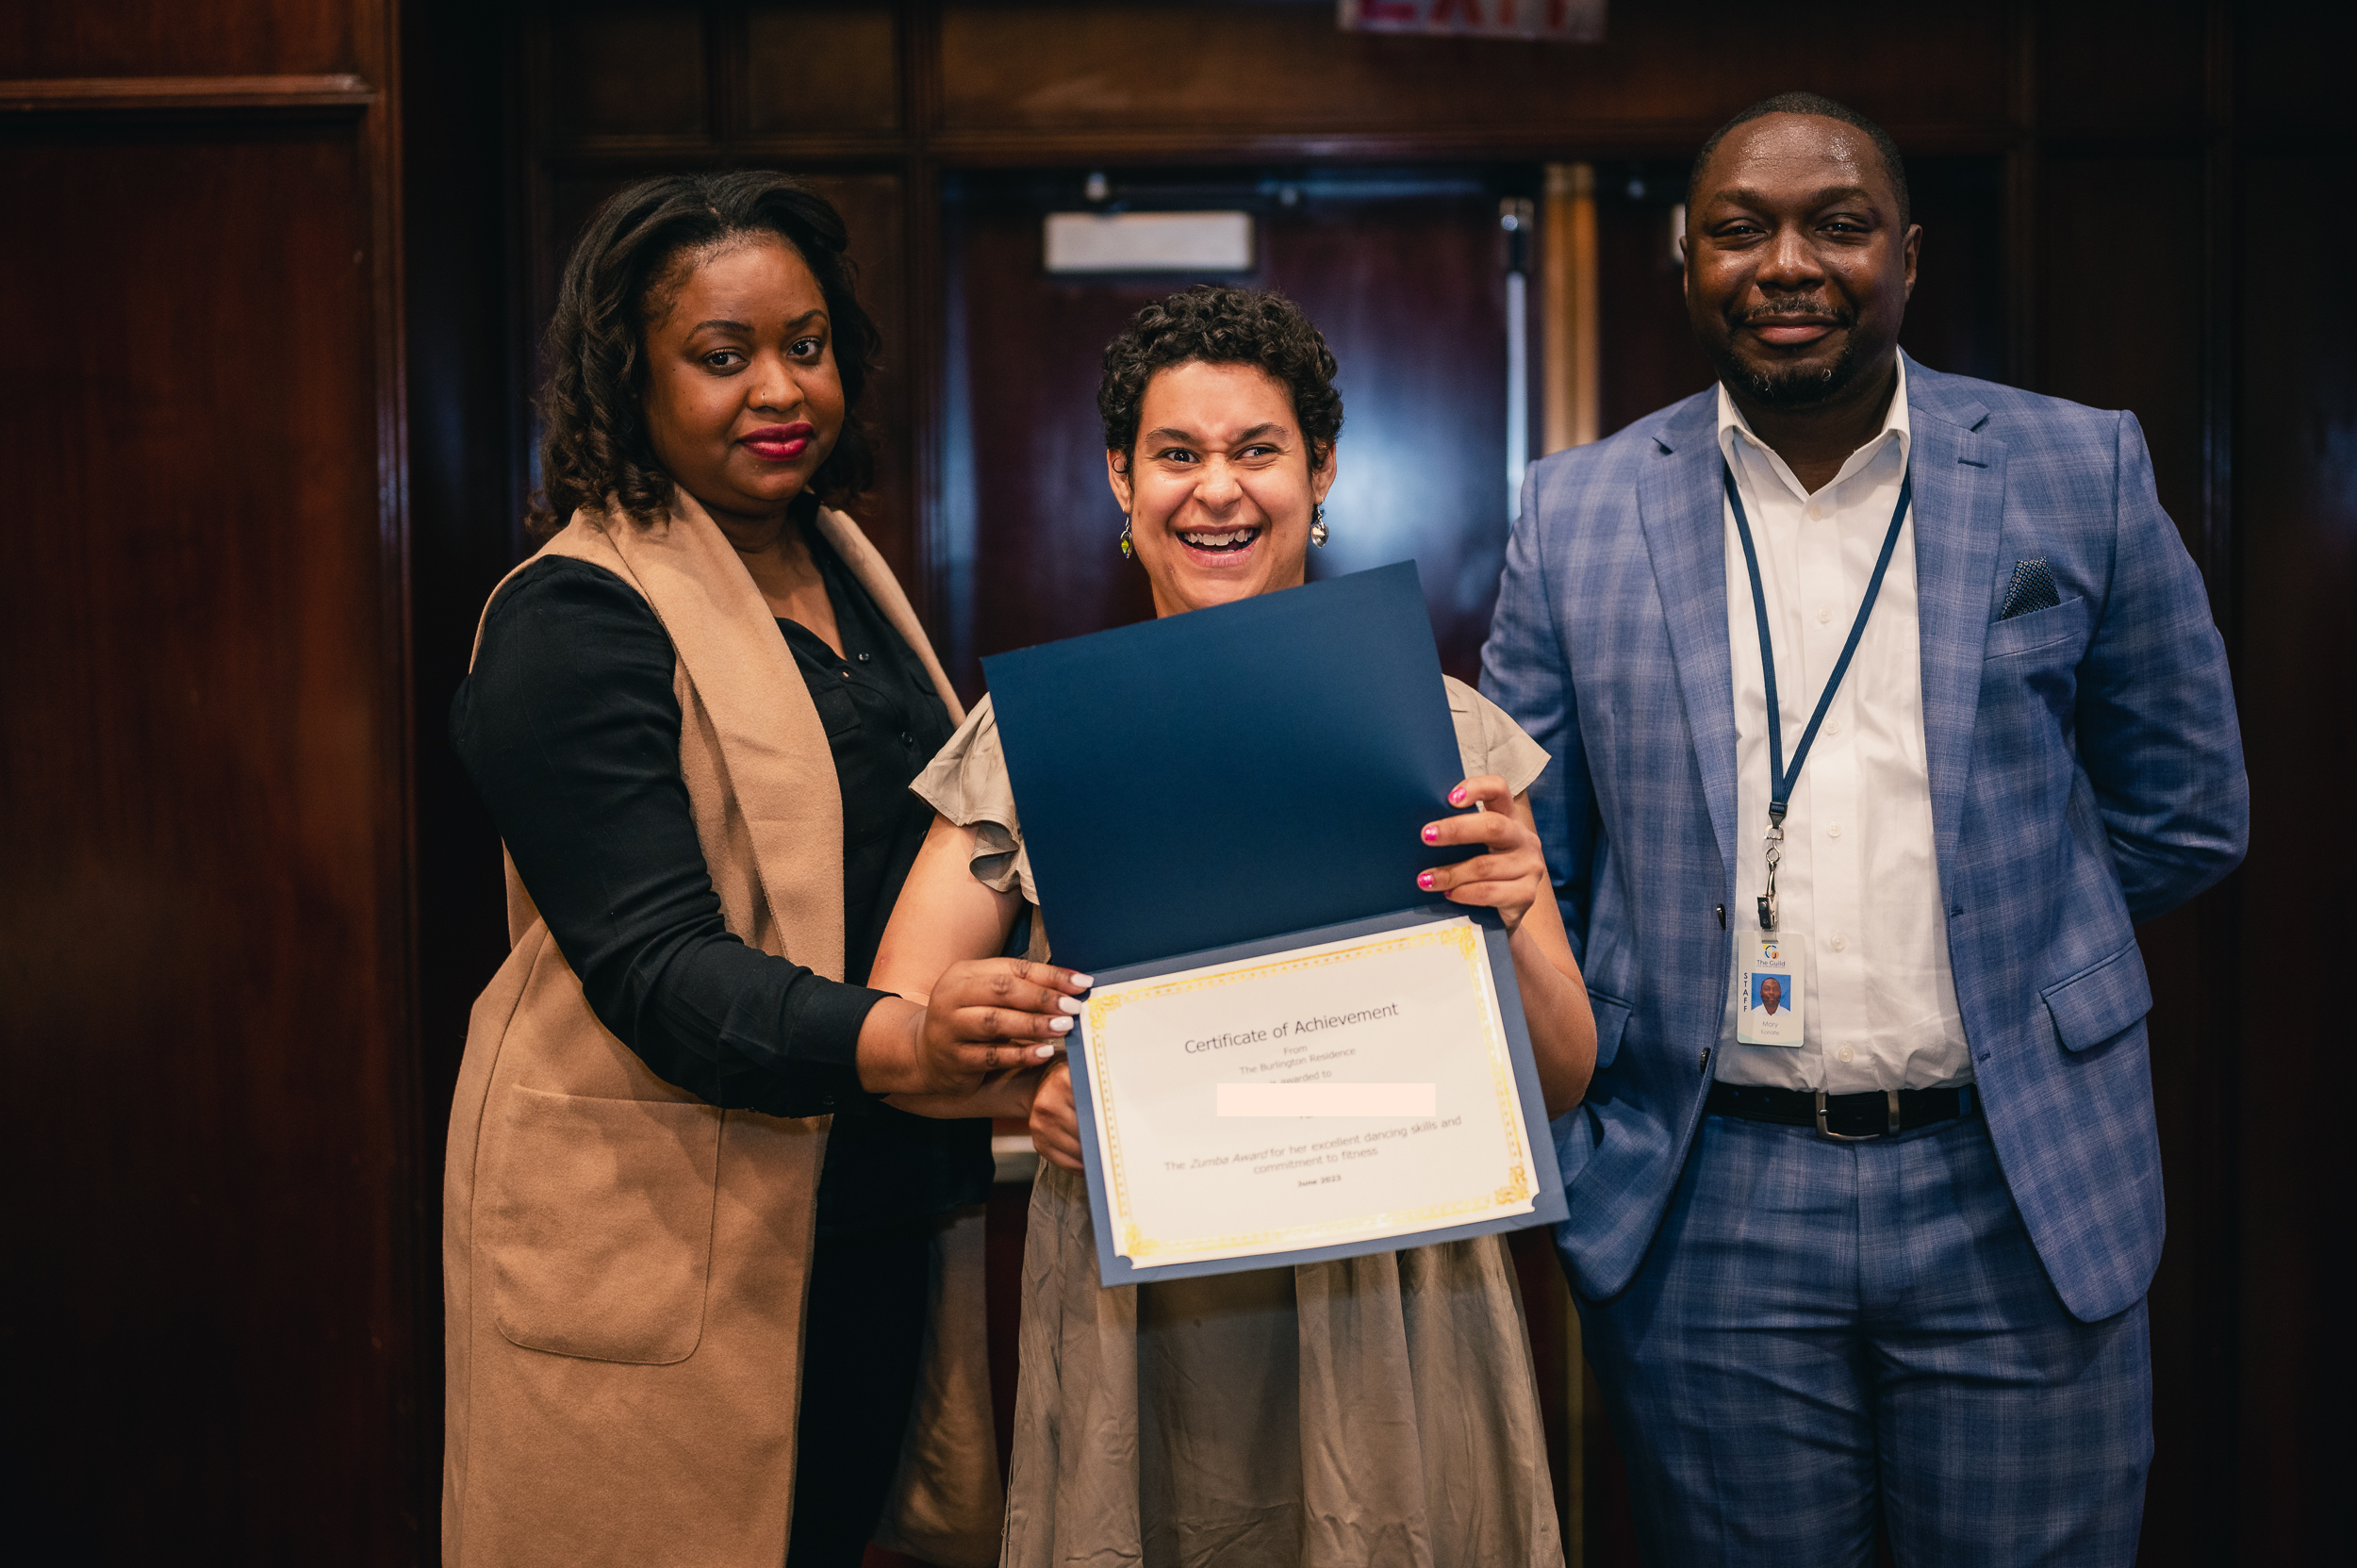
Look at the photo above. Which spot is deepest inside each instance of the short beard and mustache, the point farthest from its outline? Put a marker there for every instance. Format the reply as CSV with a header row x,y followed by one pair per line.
x,y
1789,385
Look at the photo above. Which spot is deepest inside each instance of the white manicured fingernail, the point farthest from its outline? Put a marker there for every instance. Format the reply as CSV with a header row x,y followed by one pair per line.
x,y
1060,1025
1044,1052
1070,1004
1083,981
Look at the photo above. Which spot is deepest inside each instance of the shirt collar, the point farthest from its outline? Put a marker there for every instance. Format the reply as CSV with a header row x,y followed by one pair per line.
x,y
1735,431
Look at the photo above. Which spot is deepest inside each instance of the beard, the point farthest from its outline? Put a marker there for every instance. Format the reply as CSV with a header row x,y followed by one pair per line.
x,y
1789,385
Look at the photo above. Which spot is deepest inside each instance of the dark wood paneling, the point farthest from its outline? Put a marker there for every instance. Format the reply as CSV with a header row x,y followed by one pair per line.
x,y
2108,69
2289,60
2120,329
2297,482
202,950
1646,355
628,70
169,38
2117,333
822,68
1245,68
466,421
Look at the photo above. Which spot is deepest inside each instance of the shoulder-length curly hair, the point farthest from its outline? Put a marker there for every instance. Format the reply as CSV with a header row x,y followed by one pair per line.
x,y
1218,324
594,442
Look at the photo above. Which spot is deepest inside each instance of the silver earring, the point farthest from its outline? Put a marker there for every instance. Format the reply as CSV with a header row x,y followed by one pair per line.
x,y
1317,526
1128,548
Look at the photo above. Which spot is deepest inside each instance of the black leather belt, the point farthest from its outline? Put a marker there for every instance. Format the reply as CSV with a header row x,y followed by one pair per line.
x,y
1844,1118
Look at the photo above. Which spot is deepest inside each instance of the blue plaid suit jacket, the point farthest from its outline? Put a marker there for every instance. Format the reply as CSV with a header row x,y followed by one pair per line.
x,y
2085,770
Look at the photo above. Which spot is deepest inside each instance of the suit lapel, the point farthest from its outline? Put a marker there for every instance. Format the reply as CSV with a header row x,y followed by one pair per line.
x,y
1959,511
1677,500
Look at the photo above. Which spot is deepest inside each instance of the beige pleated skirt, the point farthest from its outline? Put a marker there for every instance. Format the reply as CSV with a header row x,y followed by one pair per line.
x,y
1375,1412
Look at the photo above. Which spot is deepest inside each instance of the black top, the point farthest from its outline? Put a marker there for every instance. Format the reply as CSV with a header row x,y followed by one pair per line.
x,y
570,728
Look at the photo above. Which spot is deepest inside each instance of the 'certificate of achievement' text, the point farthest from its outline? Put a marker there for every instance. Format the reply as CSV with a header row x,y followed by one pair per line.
x,y
1345,1092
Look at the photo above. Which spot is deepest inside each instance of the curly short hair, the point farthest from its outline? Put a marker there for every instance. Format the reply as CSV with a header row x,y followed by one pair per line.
x,y
621,280
1217,324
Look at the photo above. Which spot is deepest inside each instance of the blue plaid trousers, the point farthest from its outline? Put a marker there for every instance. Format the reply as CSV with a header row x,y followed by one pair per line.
x,y
1827,1334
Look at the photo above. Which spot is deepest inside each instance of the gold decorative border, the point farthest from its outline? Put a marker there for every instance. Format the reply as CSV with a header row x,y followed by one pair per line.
x,y
1461,934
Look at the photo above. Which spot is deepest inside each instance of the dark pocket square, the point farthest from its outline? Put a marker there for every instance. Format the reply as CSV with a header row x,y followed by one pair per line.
x,y
2032,588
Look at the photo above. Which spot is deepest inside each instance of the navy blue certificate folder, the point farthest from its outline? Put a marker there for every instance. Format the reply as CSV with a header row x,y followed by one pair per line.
x,y
1238,781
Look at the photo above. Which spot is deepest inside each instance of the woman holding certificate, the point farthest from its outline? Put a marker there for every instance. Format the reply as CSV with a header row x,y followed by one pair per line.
x,y
1375,1409
687,1247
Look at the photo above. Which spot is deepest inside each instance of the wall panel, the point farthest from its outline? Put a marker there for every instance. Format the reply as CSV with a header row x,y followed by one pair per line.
x,y
1244,68
205,940
2296,483
205,932
169,37
822,68
628,70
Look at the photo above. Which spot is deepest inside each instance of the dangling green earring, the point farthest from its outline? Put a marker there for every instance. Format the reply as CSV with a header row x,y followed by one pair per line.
x,y
1127,550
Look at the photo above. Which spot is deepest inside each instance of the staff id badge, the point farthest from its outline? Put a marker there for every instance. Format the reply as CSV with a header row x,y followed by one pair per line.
x,y
1768,995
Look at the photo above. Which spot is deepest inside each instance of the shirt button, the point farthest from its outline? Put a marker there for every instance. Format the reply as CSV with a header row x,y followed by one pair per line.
x,y
1846,1054
907,739
1825,614
1840,941
863,658
1833,830
1833,726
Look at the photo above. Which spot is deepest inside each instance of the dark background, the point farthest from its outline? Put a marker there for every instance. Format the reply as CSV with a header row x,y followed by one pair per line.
x,y
272,273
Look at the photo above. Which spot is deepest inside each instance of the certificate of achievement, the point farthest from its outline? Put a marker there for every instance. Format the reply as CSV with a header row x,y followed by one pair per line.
x,y
1292,1055
1356,1091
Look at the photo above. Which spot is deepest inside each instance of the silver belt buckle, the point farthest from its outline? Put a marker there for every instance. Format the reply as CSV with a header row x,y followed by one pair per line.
x,y
1891,1097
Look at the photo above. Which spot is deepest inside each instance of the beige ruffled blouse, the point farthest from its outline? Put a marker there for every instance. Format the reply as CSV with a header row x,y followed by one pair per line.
x,y
1375,1412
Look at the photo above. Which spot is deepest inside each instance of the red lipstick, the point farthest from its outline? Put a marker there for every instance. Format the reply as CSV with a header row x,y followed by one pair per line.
x,y
780,443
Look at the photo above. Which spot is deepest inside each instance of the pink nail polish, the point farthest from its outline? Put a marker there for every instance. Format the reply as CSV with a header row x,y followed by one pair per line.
x,y
1456,797
1425,880
1431,835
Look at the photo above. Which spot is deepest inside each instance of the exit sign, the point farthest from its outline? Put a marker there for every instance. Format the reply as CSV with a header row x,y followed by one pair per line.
x,y
1564,21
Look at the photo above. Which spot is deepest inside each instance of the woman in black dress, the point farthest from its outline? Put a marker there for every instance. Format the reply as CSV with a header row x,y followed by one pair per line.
x,y
705,360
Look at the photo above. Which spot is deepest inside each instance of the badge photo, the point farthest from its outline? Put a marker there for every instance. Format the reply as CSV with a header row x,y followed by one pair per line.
x,y
1769,1011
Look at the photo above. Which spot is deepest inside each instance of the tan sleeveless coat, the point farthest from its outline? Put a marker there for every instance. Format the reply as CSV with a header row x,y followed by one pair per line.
x,y
623,1265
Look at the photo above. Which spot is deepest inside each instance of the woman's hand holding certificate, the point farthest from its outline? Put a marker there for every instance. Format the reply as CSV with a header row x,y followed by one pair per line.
x,y
984,1018
1510,878
1330,1060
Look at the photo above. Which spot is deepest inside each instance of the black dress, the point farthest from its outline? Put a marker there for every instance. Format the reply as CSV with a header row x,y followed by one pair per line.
x,y
570,729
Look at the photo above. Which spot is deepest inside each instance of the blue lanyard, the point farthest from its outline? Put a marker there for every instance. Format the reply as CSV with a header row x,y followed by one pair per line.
x,y
1780,779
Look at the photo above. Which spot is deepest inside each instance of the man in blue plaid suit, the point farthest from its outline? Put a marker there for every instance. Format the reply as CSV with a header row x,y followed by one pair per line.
x,y
1884,1270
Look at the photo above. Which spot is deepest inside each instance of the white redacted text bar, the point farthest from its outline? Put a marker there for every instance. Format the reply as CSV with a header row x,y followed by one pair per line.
x,y
1326,1100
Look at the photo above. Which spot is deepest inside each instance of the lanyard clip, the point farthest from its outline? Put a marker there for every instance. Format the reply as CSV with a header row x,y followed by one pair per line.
x,y
1775,852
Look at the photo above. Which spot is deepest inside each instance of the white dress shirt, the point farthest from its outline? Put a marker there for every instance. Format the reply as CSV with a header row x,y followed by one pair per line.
x,y
1859,875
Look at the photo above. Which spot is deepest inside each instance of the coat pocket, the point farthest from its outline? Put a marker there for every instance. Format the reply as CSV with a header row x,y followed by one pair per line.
x,y
1611,1023
596,1224
2101,1001
2025,633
